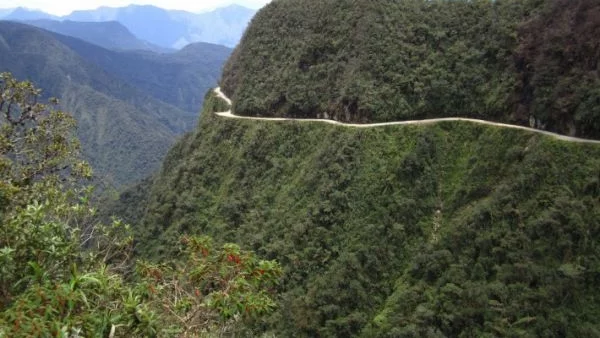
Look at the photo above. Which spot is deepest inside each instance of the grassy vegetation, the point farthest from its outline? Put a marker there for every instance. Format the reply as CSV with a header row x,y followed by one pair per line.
x,y
524,62
446,229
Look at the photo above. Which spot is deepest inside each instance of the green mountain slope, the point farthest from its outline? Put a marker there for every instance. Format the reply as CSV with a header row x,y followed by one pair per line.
x,y
446,229
449,229
525,62
124,132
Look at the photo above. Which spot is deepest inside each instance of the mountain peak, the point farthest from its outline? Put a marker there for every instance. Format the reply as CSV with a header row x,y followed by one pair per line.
x,y
167,29
24,13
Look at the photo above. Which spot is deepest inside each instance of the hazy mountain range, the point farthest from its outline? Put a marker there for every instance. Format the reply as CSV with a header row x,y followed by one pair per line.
x,y
157,26
130,105
21,13
107,34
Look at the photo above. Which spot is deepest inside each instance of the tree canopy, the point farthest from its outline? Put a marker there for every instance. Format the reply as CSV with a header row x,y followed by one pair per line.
x,y
527,62
62,273
446,229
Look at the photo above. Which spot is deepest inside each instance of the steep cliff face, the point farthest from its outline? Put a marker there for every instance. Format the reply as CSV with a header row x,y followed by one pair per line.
x,y
512,61
445,229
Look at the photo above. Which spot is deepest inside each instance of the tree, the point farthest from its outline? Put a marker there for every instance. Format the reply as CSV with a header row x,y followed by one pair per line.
x,y
40,167
62,273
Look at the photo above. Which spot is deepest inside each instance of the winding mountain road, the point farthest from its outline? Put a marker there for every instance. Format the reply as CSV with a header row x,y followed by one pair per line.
x,y
427,121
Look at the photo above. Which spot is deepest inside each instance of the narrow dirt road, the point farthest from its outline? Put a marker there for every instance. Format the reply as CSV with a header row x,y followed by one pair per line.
x,y
427,121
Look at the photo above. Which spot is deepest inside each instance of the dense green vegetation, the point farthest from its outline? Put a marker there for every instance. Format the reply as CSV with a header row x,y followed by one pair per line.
x,y
528,62
125,129
62,274
450,229
558,60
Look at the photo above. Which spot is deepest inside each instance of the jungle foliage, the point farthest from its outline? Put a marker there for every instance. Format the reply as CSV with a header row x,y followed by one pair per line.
x,y
529,62
450,229
63,274
447,229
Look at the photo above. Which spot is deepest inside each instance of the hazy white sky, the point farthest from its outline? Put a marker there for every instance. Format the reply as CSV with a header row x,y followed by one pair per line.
x,y
62,7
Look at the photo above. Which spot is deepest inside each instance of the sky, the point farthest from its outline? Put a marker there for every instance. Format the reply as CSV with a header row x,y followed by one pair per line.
x,y
63,7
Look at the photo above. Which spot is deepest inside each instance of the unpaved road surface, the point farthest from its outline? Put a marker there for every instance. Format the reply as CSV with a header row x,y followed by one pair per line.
x,y
427,121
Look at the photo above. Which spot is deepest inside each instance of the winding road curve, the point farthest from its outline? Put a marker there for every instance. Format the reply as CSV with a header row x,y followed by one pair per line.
x,y
427,121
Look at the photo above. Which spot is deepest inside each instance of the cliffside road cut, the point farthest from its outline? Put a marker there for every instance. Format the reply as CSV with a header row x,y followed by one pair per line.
x,y
229,114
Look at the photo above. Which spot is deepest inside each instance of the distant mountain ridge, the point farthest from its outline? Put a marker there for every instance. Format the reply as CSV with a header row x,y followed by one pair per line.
x,y
164,28
180,78
107,34
22,13
124,128
5,11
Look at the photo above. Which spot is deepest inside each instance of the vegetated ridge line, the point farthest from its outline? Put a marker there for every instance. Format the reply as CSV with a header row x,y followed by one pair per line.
x,y
381,124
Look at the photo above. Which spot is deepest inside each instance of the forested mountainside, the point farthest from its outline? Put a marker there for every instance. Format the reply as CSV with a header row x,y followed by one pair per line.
x,y
107,34
448,229
443,229
124,131
529,62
